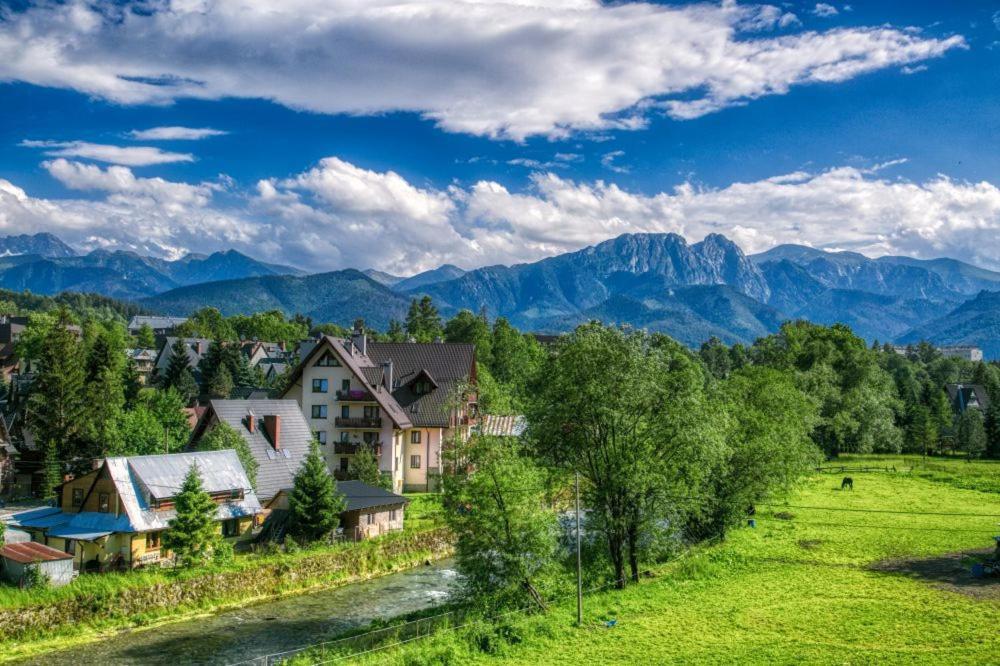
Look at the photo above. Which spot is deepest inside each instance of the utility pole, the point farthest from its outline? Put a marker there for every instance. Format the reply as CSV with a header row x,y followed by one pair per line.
x,y
579,566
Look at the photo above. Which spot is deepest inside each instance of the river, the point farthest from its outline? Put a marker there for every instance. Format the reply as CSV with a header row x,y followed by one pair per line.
x,y
270,627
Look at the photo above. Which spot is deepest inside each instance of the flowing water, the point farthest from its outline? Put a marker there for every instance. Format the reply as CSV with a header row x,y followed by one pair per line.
x,y
270,627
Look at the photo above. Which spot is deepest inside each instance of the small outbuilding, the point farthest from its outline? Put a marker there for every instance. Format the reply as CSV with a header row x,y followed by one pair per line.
x,y
16,558
371,511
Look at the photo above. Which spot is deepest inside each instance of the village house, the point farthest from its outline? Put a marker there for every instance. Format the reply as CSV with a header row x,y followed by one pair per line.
x,y
399,399
162,326
114,517
195,348
369,511
257,352
967,396
276,432
144,361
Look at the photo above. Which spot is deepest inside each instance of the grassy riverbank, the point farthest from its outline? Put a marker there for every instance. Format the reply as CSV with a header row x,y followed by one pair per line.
x,y
33,622
843,581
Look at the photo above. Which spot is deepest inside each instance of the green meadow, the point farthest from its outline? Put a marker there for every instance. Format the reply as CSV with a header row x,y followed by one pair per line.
x,y
877,575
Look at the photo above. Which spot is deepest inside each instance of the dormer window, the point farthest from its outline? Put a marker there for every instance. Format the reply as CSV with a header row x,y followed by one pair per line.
x,y
421,387
328,360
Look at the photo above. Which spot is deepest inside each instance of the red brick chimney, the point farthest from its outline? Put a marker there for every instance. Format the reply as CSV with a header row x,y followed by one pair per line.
x,y
272,426
251,423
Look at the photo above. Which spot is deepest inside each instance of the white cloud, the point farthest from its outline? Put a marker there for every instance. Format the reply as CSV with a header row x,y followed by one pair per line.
x,y
175,133
127,155
608,161
338,215
499,68
824,10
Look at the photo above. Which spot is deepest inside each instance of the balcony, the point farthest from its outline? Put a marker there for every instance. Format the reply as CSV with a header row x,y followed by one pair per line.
x,y
373,422
355,395
350,448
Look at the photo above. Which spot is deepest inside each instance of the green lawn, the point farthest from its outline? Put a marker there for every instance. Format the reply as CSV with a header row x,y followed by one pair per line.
x,y
797,589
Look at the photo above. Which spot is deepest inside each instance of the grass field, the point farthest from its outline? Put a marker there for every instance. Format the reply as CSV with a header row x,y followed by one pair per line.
x,y
808,585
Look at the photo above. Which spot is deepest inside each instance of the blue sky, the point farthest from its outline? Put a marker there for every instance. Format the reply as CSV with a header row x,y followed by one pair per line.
x,y
490,149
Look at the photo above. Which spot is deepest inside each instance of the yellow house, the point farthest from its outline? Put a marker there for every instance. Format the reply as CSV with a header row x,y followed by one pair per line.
x,y
115,516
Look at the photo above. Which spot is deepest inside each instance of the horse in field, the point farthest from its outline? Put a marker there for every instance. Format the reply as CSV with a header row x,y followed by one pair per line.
x,y
848,483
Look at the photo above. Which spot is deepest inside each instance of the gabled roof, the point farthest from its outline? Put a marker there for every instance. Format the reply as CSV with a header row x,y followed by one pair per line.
x,y
511,425
163,358
139,482
447,365
360,495
963,396
276,469
363,369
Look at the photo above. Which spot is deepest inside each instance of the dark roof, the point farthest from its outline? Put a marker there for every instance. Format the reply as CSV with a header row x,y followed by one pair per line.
x,y
360,495
31,551
276,469
445,364
155,322
251,393
191,344
963,396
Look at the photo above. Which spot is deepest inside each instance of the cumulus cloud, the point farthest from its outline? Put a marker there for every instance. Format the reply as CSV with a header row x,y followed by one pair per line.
x,y
127,155
337,215
497,68
175,133
824,10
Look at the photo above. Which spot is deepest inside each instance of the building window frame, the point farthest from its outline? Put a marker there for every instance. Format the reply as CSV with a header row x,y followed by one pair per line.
x,y
231,528
320,436
104,502
415,461
153,540
328,360
319,411
77,497
320,385
415,437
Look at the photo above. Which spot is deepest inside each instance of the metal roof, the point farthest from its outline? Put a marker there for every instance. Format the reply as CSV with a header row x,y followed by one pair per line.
x,y
155,322
274,471
511,425
31,551
360,495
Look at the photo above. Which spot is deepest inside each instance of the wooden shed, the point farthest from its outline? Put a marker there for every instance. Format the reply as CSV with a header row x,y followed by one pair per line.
x,y
17,557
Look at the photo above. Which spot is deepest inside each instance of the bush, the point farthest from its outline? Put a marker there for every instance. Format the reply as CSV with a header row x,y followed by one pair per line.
x,y
34,578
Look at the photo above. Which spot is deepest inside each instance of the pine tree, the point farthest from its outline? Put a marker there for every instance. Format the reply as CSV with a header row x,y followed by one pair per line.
x,y
193,534
132,383
52,471
364,467
244,375
186,385
315,505
145,339
993,429
395,333
179,362
971,434
221,384
57,407
423,321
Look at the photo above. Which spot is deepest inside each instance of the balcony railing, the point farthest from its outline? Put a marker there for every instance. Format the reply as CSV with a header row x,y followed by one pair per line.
x,y
358,422
350,448
355,395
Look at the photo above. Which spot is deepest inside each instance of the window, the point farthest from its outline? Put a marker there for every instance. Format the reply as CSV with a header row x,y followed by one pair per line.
x,y
370,437
371,518
345,437
371,412
319,411
414,462
345,412
320,436
392,515
327,360
152,540
421,387
103,502
345,384
415,437
343,464
231,528
77,497
320,385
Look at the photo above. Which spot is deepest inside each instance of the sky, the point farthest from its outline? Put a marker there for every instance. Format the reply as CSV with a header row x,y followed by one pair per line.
x,y
401,135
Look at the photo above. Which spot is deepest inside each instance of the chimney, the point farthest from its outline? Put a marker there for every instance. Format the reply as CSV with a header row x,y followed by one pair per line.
x,y
358,337
272,426
251,422
387,375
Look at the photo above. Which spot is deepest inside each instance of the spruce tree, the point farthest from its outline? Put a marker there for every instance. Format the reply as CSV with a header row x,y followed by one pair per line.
x,y
221,384
57,408
145,339
52,470
193,533
132,383
315,505
186,385
993,428
179,362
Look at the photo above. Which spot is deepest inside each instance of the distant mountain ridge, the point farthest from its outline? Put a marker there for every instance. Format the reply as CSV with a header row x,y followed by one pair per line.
x,y
53,267
661,282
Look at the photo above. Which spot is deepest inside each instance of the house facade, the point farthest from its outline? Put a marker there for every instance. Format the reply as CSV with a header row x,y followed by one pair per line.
x,y
398,399
115,516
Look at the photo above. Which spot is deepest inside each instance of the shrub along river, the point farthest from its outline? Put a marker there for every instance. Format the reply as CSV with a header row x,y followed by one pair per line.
x,y
267,628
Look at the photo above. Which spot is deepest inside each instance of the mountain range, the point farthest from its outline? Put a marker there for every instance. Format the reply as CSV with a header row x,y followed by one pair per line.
x,y
661,282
